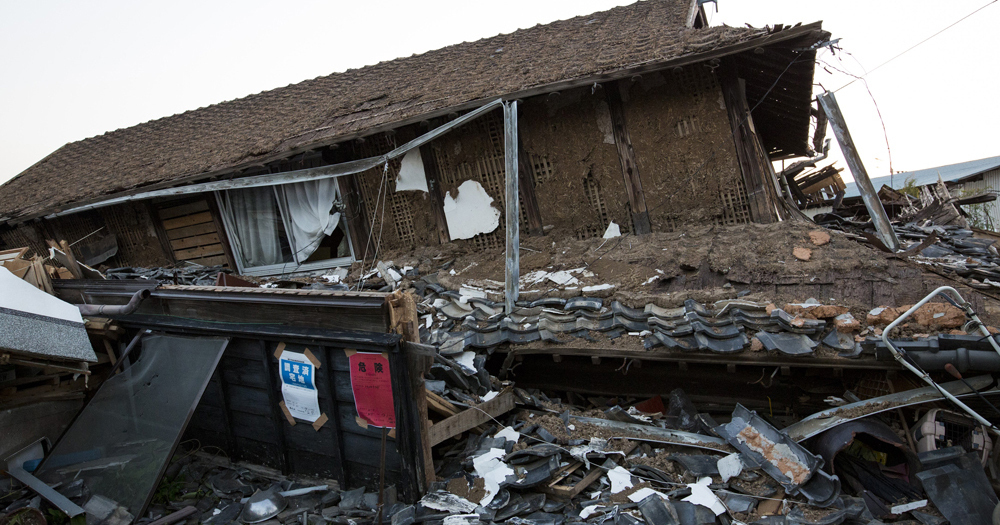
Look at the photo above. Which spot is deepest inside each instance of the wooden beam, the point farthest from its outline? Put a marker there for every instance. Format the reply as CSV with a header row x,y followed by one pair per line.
x,y
74,268
512,274
626,156
868,194
436,193
471,417
357,225
759,195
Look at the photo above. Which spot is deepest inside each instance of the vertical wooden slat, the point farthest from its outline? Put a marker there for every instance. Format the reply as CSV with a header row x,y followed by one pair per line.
x,y
760,191
528,196
277,417
432,172
626,155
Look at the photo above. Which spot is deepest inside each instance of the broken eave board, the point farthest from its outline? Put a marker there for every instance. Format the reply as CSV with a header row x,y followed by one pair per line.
x,y
34,323
661,354
301,308
827,419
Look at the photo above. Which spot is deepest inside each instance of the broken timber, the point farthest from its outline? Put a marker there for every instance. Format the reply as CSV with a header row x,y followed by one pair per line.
x,y
471,417
885,232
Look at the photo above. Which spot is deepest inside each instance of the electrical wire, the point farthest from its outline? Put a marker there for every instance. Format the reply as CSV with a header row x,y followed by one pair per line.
x,y
907,50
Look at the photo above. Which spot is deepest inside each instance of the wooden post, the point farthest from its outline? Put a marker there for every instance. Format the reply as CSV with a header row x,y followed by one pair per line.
x,y
513,212
433,175
868,194
762,195
626,155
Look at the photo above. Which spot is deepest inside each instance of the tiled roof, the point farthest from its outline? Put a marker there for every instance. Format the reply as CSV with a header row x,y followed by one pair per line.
x,y
269,125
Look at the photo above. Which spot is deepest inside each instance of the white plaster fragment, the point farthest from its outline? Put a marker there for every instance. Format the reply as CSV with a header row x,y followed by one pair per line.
x,y
598,287
509,434
644,493
907,507
447,502
470,212
469,292
411,173
466,361
562,277
590,511
729,467
620,479
702,495
493,471
613,231
533,277
490,395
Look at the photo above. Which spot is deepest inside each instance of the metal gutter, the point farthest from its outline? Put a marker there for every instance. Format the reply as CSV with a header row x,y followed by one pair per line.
x,y
289,177
126,289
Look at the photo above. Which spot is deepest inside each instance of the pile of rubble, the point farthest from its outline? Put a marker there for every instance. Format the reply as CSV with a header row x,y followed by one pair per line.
x,y
553,463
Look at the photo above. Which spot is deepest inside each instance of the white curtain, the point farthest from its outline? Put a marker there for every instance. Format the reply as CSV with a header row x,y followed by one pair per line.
x,y
257,222
305,208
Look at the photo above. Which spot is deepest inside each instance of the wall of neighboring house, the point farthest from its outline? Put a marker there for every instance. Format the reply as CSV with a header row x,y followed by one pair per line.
x,y
986,215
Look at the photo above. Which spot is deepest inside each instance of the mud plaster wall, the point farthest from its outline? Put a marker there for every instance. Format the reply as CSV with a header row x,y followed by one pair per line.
x,y
584,190
676,121
684,149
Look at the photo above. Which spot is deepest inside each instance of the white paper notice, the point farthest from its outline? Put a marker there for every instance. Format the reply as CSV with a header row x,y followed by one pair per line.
x,y
298,386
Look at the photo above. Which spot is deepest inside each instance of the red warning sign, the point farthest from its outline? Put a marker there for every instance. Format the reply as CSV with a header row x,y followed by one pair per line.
x,y
372,386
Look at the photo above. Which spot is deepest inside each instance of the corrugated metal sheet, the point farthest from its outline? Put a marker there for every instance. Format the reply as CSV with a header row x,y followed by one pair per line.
x,y
950,172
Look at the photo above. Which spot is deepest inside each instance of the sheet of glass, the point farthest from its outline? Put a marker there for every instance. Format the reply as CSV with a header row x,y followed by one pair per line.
x,y
121,441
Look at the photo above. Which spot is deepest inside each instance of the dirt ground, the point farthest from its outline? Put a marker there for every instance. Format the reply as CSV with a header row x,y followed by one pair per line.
x,y
701,262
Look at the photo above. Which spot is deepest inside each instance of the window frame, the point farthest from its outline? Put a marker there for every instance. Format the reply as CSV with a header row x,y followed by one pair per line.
x,y
281,268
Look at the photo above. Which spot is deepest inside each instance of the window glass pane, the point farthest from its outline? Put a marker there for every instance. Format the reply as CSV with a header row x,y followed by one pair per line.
x,y
121,441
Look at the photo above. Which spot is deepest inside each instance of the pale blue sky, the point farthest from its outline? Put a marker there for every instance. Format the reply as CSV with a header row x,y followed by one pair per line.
x,y
73,69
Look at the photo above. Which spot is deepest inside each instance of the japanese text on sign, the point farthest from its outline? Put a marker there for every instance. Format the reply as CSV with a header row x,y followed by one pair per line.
x,y
298,386
372,386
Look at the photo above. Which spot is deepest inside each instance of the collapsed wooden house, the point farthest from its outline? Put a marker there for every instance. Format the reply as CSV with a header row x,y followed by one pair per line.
x,y
639,115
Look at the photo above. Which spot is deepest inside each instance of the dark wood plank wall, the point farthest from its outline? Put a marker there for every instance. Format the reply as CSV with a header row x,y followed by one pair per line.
x,y
194,232
239,414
